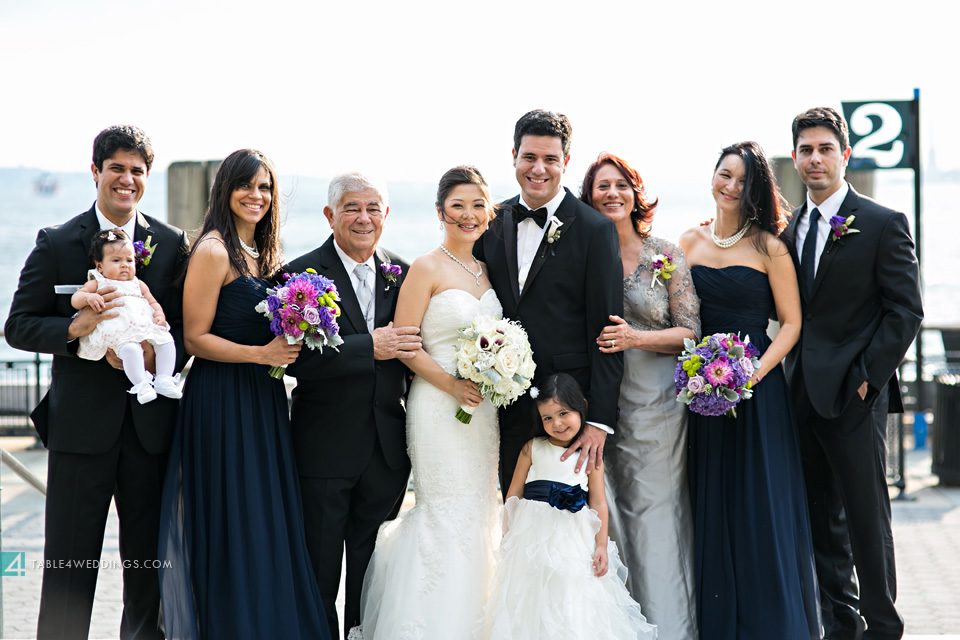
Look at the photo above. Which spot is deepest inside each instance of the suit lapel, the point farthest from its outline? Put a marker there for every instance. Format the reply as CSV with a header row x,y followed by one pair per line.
x,y
382,291
332,267
566,212
89,226
510,244
847,209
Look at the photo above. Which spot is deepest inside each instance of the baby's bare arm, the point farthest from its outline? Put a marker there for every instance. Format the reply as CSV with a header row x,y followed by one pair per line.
x,y
87,296
158,315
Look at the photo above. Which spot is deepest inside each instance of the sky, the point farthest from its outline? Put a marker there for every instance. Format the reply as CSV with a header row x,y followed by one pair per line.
x,y
405,90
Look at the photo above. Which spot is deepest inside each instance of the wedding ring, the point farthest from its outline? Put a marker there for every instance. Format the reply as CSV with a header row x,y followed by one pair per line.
x,y
613,344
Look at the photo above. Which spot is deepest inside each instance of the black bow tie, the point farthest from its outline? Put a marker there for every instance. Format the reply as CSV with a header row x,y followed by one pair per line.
x,y
539,216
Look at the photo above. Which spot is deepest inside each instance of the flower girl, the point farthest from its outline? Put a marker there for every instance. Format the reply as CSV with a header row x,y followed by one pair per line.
x,y
558,574
140,318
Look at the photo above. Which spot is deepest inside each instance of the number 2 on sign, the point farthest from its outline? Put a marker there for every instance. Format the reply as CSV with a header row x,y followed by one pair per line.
x,y
891,125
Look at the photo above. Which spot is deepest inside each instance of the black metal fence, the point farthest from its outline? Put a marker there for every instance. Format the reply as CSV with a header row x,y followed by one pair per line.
x,y
22,384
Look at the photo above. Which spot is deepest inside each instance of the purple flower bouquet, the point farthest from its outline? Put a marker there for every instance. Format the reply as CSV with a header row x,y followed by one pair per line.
x,y
713,376
304,310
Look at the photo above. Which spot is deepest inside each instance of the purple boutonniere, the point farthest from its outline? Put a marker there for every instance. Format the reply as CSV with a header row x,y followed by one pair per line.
x,y
143,251
840,227
390,273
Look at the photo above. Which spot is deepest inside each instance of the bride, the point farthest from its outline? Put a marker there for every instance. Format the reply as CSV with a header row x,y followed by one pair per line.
x,y
429,574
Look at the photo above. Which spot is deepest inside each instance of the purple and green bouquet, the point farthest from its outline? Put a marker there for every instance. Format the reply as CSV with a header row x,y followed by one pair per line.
x,y
713,376
304,310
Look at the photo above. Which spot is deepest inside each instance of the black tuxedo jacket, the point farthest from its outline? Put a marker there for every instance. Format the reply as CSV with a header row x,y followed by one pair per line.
x,y
863,311
345,401
85,405
573,286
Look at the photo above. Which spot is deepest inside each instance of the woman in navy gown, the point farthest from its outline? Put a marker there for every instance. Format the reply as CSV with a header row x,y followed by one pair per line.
x,y
231,535
753,554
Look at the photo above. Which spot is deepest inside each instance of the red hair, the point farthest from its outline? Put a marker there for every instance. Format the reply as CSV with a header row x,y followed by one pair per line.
x,y
642,214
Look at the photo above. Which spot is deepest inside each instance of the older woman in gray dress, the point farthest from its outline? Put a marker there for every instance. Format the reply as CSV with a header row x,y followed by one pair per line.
x,y
647,456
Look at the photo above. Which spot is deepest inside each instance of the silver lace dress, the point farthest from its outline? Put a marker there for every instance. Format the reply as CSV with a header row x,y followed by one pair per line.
x,y
646,458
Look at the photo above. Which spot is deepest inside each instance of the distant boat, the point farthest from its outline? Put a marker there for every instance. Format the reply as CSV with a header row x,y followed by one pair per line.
x,y
45,184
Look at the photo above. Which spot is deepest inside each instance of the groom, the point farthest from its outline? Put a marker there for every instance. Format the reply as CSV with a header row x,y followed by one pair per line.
x,y
347,416
860,290
554,262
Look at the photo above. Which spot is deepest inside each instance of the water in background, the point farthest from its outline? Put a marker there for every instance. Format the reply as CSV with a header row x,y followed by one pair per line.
x,y
412,227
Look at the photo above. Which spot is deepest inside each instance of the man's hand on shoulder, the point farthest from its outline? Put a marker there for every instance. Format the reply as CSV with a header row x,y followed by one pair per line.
x,y
391,342
590,442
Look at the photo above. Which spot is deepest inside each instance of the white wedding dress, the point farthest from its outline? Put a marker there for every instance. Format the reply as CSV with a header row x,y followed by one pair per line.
x,y
430,573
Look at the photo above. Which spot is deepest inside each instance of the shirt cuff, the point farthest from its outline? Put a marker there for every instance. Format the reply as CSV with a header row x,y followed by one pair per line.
x,y
602,427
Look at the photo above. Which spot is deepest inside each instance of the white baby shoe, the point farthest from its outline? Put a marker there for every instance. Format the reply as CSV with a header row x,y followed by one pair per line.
x,y
168,386
144,390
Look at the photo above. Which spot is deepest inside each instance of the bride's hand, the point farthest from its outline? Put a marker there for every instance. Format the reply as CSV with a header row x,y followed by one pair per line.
x,y
466,392
278,353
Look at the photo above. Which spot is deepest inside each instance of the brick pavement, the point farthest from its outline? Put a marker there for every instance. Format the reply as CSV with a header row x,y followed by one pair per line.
x,y
926,534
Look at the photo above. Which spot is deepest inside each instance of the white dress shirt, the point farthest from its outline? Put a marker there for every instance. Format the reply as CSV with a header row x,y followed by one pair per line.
x,y
529,235
350,264
828,208
106,225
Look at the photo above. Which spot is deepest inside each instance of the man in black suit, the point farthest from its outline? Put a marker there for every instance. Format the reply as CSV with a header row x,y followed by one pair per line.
x,y
554,262
860,290
102,443
348,416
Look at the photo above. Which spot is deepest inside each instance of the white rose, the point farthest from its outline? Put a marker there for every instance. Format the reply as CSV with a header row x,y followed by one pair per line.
x,y
468,350
485,325
508,361
464,368
527,368
485,360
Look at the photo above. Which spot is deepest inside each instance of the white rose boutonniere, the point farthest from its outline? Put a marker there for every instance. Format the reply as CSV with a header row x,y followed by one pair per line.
x,y
553,234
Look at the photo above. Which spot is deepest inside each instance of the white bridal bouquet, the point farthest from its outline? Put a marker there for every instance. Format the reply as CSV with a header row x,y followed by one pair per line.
x,y
496,354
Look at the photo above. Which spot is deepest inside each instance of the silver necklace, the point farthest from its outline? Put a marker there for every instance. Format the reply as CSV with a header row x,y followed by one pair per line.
x,y
726,243
250,251
454,258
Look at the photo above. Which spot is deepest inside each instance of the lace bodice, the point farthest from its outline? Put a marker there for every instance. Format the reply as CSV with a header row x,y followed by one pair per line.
x,y
448,312
650,306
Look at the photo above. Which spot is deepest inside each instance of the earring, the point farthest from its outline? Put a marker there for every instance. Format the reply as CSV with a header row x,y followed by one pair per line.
x,y
441,225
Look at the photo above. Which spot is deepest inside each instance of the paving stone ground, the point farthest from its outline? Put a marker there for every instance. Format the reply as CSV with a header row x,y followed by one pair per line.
x,y
926,534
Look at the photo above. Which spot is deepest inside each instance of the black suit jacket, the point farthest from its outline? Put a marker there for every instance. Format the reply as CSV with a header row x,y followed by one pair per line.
x,y
572,288
863,311
345,401
84,408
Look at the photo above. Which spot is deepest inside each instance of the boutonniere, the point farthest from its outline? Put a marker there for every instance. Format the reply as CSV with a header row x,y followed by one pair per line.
x,y
143,251
390,273
840,227
553,234
662,267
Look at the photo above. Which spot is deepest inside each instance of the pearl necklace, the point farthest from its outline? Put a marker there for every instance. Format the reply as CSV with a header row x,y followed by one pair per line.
x,y
726,243
250,251
454,258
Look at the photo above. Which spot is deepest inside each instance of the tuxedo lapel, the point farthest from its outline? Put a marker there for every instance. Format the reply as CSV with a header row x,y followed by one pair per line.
x,y
510,245
89,226
382,291
332,267
566,212
847,209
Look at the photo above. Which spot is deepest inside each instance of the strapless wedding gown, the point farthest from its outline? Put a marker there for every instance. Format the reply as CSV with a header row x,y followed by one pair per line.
x,y
431,570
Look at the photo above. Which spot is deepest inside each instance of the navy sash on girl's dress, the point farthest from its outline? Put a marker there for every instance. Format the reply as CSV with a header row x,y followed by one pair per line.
x,y
557,494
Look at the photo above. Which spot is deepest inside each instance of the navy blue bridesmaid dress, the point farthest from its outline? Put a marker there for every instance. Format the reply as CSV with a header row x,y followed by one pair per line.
x,y
754,564
231,534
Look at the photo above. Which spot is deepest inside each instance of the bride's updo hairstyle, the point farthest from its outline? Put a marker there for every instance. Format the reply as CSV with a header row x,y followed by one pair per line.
x,y
241,167
760,200
464,174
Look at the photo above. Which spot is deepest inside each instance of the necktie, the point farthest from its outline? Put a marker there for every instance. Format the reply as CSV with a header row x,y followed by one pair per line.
x,y
522,213
808,257
364,293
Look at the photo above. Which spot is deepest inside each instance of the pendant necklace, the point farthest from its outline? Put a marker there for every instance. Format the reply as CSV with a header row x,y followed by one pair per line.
x,y
250,251
454,258
726,243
